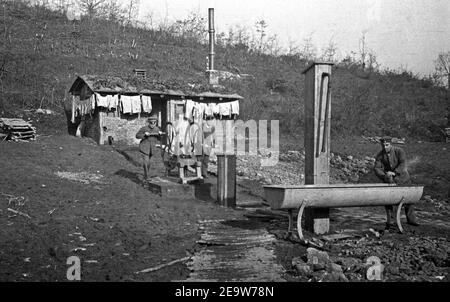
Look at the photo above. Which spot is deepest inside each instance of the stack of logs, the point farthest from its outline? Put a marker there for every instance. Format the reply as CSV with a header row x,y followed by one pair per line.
x,y
16,129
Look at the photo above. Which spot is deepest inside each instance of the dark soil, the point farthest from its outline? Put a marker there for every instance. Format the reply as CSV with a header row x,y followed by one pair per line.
x,y
125,228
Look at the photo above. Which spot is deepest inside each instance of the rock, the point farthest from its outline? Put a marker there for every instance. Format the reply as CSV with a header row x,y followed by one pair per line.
x,y
318,266
427,198
334,268
438,257
349,157
297,260
315,256
334,277
318,276
347,262
302,268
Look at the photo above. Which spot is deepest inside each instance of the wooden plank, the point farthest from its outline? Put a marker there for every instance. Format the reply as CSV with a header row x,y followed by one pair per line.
x,y
23,132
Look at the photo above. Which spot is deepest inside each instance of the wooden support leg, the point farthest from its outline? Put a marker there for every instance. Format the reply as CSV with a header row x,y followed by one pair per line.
x,y
198,168
399,211
291,221
299,220
181,173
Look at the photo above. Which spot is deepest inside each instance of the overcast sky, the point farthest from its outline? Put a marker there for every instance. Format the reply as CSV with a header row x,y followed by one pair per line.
x,y
402,33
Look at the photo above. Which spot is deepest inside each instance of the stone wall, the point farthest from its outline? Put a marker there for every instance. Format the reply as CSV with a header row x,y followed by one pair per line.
x,y
91,126
123,129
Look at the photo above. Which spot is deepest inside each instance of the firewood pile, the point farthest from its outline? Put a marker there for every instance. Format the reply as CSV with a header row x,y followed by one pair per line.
x,y
16,129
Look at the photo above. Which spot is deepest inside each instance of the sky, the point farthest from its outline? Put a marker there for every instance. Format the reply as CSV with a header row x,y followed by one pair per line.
x,y
403,34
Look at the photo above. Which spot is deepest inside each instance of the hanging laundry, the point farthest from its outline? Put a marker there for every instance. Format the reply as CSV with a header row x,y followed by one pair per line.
x,y
75,107
125,102
203,107
208,110
198,111
215,108
182,137
102,101
189,108
225,109
113,101
146,103
235,107
135,104
92,102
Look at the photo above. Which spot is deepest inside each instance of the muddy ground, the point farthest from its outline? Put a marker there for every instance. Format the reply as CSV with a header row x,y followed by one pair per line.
x,y
62,196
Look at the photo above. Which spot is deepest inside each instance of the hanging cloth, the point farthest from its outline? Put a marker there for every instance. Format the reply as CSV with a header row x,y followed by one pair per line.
x,y
215,108
225,109
146,103
102,101
135,104
92,102
208,110
189,108
113,101
125,102
235,107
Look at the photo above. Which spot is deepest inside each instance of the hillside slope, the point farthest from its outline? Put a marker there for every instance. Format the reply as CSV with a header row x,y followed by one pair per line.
x,y
42,51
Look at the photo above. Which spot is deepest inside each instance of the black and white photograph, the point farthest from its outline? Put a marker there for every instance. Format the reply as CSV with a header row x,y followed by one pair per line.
x,y
224,147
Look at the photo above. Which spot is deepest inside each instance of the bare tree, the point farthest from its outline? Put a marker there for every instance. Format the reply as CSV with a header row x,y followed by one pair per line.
x,y
309,50
114,11
91,7
443,67
261,30
132,10
292,48
329,52
363,50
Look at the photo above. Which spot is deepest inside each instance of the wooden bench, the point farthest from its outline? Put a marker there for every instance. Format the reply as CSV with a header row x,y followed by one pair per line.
x,y
297,198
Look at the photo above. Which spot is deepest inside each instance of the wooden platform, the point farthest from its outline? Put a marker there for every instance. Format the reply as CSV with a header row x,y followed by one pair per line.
x,y
169,187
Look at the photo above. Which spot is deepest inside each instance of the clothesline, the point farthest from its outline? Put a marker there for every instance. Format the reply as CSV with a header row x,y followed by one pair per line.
x,y
141,103
197,110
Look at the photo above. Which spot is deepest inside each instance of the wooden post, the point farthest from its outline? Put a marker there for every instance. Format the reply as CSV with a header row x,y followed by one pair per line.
x,y
226,180
317,138
101,136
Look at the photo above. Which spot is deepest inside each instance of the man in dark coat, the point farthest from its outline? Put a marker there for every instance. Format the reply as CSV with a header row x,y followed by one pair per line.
x,y
390,167
149,136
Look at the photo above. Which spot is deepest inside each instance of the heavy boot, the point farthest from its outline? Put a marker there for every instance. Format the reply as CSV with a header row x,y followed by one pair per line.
x,y
410,215
389,217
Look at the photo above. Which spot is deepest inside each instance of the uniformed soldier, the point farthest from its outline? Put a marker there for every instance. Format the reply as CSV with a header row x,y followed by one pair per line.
x,y
390,167
149,136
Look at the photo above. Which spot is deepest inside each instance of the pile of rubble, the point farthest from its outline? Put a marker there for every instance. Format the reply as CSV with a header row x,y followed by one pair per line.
x,y
376,139
317,266
252,167
349,168
289,170
413,259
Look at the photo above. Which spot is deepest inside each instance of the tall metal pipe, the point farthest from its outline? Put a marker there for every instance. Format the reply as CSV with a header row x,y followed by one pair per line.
x,y
211,38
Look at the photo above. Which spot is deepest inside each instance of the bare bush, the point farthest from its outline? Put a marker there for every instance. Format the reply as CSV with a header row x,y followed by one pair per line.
x,y
443,66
